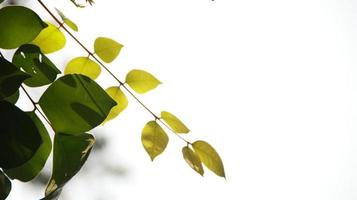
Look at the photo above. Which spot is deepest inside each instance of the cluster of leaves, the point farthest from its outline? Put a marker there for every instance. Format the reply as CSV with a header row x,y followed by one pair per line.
x,y
72,104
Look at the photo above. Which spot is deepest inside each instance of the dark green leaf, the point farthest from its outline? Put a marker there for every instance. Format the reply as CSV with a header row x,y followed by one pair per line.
x,y
10,78
19,25
2,1
5,186
30,169
19,137
69,154
75,104
30,58
13,98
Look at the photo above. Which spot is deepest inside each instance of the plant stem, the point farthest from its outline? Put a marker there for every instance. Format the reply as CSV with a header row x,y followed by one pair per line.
x,y
121,83
36,108
34,103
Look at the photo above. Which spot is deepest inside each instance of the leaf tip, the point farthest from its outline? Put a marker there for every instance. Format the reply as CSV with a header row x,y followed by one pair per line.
x,y
152,158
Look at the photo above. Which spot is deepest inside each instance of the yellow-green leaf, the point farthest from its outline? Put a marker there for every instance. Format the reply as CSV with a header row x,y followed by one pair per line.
x,y
67,21
107,49
209,157
50,39
122,102
192,160
154,139
71,24
141,81
176,125
83,65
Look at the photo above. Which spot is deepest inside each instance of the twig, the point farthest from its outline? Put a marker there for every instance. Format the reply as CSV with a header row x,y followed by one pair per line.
x,y
121,83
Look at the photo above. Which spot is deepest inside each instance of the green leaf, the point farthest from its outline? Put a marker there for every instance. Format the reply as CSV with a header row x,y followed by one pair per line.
x,y
5,186
2,1
122,102
32,168
141,81
50,40
53,195
75,104
30,58
71,24
19,137
192,160
11,78
19,25
154,139
70,152
67,21
83,65
176,125
209,157
107,49
13,98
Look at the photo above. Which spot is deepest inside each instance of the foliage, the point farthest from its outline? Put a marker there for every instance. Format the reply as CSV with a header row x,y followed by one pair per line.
x,y
72,104
19,25
154,139
141,81
83,65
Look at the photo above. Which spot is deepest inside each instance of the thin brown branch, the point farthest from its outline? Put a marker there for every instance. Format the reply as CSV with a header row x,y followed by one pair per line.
x,y
35,105
121,83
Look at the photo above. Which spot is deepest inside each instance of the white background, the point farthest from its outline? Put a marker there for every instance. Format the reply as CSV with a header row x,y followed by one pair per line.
x,y
270,84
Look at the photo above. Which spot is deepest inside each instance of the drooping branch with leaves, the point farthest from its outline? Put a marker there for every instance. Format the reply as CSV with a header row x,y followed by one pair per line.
x,y
72,104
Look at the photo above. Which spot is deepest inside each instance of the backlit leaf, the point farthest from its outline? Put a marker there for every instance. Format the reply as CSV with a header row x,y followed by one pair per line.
x,y
50,40
19,25
67,21
30,169
19,136
70,152
192,160
71,24
5,186
107,49
30,58
141,81
209,157
75,104
176,125
83,65
154,139
11,78
122,102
